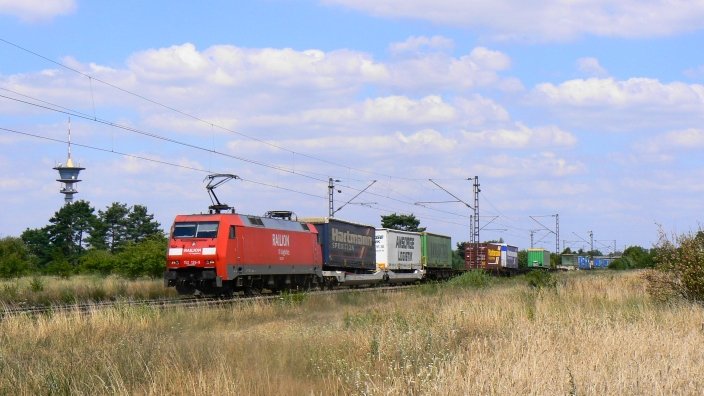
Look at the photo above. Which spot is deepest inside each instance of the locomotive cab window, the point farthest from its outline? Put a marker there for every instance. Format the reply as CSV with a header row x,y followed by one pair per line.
x,y
195,230
232,232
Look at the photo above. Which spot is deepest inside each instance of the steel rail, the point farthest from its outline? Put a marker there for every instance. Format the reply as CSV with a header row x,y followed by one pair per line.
x,y
183,302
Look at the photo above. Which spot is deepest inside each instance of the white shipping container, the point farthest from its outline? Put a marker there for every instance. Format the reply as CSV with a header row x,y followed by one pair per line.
x,y
509,256
398,250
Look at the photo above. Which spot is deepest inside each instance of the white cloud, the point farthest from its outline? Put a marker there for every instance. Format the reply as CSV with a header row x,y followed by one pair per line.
x,y
551,20
634,91
521,137
633,104
673,141
227,65
541,165
416,44
361,146
240,82
36,10
591,67
442,71
400,109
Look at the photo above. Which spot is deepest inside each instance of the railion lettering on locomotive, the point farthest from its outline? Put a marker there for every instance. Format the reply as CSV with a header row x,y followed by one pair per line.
x,y
280,240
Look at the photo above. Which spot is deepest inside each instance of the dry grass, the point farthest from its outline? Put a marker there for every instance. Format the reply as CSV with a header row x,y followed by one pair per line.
x,y
83,288
593,334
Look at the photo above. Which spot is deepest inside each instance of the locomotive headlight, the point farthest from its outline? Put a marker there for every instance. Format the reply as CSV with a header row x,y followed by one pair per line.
x,y
175,262
209,262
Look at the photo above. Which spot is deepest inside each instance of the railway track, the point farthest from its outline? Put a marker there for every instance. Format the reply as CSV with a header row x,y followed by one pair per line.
x,y
183,302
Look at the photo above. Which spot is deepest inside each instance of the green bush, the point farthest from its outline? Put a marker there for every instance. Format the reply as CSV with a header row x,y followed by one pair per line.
x,y
14,258
97,261
540,279
619,264
472,279
59,266
36,284
146,258
680,268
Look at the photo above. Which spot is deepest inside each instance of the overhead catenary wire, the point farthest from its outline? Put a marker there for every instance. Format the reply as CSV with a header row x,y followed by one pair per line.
x,y
194,117
163,138
43,104
162,162
71,112
201,170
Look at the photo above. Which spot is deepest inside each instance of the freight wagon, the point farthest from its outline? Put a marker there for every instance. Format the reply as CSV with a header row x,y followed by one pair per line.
x,y
225,253
494,257
350,254
584,262
398,254
347,252
486,256
436,253
509,257
538,258
602,262
568,262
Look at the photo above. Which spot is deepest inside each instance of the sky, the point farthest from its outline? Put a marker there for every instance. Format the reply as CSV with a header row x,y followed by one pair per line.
x,y
590,110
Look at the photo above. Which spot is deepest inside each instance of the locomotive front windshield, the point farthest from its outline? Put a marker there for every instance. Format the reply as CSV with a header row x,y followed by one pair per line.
x,y
199,229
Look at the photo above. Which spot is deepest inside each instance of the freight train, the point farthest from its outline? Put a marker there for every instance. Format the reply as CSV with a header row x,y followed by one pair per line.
x,y
226,253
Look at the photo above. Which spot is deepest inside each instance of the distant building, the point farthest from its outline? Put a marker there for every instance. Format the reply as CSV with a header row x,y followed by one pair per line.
x,y
68,173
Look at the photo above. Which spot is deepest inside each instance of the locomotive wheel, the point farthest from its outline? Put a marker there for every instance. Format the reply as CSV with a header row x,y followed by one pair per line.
x,y
185,290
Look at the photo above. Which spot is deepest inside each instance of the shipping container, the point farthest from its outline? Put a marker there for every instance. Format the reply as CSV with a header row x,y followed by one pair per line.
x,y
601,262
486,256
346,246
436,250
437,255
398,250
509,256
538,258
568,261
584,262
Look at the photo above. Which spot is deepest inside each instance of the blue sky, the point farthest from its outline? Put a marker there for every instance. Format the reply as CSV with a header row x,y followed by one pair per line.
x,y
592,111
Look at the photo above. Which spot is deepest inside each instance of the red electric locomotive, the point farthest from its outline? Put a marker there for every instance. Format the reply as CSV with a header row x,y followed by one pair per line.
x,y
222,253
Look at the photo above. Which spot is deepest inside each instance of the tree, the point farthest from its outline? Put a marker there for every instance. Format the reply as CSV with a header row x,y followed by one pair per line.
x,y
522,259
634,257
14,257
120,224
97,261
38,245
461,246
141,225
401,222
144,258
680,268
69,229
110,229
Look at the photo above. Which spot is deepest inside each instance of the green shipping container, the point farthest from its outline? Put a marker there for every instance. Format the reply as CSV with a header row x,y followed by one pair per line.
x,y
569,260
538,258
436,250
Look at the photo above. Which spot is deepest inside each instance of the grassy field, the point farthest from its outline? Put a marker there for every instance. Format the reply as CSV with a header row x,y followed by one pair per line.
x,y
589,334
54,290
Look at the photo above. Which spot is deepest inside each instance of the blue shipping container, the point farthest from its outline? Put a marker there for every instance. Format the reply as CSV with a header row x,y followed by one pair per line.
x,y
345,245
583,262
601,262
